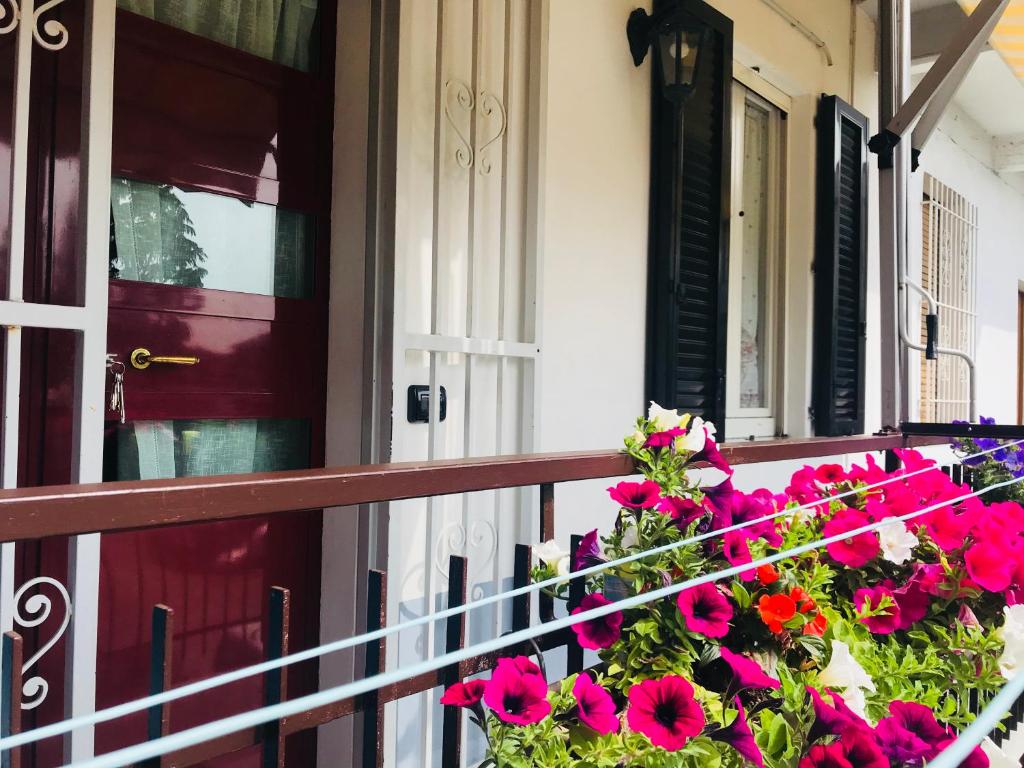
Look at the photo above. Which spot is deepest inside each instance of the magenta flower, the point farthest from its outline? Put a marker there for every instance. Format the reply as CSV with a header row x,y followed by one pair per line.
x,y
595,705
588,553
900,745
919,720
737,552
826,756
989,566
601,632
976,759
747,673
664,439
855,551
913,601
830,474
710,454
705,610
682,511
665,711
758,505
828,720
645,495
884,623
720,497
861,749
466,694
517,696
739,736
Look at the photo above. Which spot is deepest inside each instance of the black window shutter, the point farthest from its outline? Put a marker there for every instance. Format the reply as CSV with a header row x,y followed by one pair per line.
x,y
840,266
688,264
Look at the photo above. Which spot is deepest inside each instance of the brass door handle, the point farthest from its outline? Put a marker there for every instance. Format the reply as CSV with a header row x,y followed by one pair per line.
x,y
142,358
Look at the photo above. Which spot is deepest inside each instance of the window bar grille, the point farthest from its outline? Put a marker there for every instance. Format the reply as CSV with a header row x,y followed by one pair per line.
x,y
276,681
455,639
158,717
10,696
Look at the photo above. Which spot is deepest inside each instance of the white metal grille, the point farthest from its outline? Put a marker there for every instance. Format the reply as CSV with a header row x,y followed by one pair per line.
x,y
949,263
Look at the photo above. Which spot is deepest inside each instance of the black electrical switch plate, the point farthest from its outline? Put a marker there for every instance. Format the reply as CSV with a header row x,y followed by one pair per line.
x,y
418,403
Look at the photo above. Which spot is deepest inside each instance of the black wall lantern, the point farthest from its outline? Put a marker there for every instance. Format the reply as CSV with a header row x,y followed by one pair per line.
x,y
677,41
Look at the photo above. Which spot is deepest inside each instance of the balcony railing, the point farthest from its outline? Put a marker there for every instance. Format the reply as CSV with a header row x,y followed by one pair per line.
x,y
37,513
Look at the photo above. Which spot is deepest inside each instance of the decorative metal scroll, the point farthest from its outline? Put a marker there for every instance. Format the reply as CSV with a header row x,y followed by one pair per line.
x,y
31,611
458,95
51,34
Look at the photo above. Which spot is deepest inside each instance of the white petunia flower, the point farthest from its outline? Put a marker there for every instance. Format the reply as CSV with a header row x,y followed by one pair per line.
x,y
553,555
662,418
693,440
1012,635
897,541
843,671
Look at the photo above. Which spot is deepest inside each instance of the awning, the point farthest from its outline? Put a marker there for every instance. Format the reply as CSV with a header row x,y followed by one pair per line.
x,y
1008,38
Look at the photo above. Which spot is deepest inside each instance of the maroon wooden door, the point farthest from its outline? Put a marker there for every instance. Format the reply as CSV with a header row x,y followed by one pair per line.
x,y
219,215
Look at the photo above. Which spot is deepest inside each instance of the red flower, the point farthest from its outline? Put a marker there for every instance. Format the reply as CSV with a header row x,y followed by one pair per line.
x,y
594,705
816,626
517,695
645,495
776,610
884,623
705,610
802,599
829,474
826,756
855,551
767,574
466,694
665,711
601,632
747,673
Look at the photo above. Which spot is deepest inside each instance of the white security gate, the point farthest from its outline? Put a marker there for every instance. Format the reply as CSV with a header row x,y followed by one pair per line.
x,y
466,303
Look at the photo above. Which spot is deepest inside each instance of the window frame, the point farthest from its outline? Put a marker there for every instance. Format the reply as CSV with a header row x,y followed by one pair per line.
x,y
763,422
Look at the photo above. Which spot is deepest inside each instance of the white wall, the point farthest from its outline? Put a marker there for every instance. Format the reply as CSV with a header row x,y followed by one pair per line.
x,y
596,194
957,156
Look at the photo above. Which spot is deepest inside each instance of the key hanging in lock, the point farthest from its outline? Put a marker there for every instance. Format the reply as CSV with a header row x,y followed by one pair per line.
x,y
117,370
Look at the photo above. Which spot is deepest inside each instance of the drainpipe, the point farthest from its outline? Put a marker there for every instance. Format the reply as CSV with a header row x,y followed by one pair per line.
x,y
802,28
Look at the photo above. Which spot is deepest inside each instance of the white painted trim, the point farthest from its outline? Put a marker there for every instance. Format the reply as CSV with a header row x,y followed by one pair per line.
x,y
429,342
53,316
757,83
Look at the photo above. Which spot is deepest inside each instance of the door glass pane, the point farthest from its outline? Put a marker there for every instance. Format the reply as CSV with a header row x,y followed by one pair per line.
x,y
150,450
280,30
163,234
756,171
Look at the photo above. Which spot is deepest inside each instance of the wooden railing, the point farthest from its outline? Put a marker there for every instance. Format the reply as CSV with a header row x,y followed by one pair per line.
x,y
36,513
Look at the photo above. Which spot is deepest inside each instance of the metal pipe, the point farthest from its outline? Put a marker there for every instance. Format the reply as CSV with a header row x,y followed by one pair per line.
x,y
802,28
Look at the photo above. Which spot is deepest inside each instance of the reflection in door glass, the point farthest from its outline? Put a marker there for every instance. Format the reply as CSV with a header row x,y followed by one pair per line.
x,y
163,234
151,450
283,31
755,254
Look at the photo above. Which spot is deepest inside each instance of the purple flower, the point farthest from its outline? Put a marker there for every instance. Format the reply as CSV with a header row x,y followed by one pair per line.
x,y
600,632
594,705
919,720
683,511
747,673
710,454
900,745
739,736
588,553
664,439
705,610
861,749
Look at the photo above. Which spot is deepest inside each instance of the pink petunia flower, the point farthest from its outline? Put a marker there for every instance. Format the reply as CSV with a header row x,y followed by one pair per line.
x,y
747,673
830,474
601,632
826,756
900,745
705,610
588,553
919,720
710,454
517,696
861,749
739,736
466,694
855,551
828,720
630,495
664,439
595,705
990,566
737,552
884,623
665,711
683,511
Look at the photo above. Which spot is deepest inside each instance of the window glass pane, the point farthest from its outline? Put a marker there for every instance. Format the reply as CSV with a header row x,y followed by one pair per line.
x,y
151,450
756,172
163,234
280,30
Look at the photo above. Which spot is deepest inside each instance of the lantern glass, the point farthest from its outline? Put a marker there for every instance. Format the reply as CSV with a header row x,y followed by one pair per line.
x,y
677,53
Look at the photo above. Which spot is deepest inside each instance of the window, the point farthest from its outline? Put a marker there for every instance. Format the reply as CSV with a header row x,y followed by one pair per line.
x,y
948,272
754,256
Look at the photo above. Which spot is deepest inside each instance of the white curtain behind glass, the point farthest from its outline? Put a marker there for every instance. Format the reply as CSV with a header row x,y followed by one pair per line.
x,y
280,30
